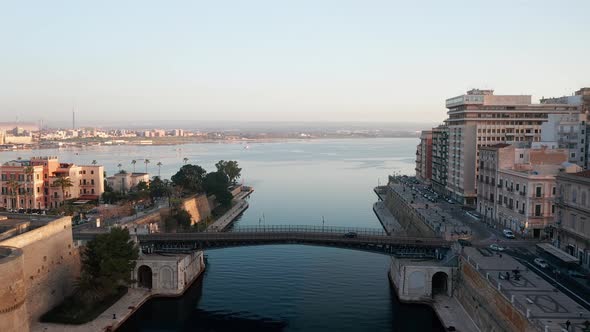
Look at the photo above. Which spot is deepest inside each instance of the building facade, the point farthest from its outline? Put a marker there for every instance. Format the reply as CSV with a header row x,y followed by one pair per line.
x,y
424,157
34,183
573,215
440,158
124,182
516,187
480,118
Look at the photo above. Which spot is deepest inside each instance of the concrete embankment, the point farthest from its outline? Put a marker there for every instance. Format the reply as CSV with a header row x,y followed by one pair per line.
x,y
387,220
239,206
226,220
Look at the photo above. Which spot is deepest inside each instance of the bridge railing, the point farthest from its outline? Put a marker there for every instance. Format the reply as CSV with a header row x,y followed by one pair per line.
x,y
308,229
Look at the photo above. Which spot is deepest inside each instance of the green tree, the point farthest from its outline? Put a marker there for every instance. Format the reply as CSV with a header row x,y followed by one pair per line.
x,y
142,186
63,183
159,188
189,178
217,183
179,219
146,162
230,168
107,263
159,164
133,162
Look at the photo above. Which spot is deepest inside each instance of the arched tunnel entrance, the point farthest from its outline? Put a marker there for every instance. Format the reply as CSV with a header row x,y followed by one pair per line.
x,y
439,283
144,276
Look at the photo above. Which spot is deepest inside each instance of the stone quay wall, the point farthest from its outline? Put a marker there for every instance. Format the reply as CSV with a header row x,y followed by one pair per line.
x,y
488,308
51,265
412,222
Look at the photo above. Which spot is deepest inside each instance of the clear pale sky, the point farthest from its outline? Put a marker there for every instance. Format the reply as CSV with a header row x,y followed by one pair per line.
x,y
321,60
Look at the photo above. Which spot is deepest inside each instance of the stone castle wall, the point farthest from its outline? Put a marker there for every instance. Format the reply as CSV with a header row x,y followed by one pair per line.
x,y
198,207
485,305
51,265
13,311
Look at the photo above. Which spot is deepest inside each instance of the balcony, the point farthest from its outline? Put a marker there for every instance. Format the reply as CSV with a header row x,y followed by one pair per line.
x,y
522,193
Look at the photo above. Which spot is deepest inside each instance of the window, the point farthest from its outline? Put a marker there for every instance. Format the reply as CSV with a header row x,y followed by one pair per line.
x,y
537,210
583,198
553,191
574,195
517,186
538,191
91,172
552,209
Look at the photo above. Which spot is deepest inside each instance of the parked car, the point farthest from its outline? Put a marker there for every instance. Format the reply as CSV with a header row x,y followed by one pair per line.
x,y
350,235
540,262
474,215
450,201
496,247
508,234
464,243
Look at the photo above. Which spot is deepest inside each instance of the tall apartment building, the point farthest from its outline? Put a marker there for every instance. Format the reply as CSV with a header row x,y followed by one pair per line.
x,y
516,187
424,157
31,184
440,158
480,118
573,215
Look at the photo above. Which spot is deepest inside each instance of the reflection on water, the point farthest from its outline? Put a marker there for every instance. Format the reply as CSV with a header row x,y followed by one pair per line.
x,y
287,288
283,287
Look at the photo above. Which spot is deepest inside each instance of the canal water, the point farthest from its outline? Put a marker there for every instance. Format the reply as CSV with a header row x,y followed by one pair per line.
x,y
282,287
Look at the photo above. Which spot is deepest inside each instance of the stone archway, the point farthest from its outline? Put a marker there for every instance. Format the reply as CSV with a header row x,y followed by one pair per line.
x,y
144,277
439,283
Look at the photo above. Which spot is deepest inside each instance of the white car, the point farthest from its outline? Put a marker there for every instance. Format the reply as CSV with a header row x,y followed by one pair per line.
x,y
540,262
496,247
508,234
474,215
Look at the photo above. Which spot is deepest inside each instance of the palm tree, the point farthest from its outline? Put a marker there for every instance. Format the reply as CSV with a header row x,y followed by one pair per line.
x,y
146,162
185,160
63,182
133,162
29,170
94,162
13,187
119,165
159,164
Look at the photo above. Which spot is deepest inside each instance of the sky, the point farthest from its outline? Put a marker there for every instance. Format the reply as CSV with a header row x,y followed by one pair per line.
x,y
323,60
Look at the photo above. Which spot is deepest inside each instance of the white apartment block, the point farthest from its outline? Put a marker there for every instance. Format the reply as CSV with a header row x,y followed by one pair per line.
x,y
480,118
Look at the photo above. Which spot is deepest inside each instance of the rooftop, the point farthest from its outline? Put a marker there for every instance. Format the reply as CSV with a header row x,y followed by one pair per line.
x,y
547,306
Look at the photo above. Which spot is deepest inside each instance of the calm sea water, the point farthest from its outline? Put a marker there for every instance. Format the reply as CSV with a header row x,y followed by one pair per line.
x,y
283,287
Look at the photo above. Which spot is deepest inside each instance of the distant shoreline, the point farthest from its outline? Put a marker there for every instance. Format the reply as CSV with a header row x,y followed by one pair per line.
x,y
173,141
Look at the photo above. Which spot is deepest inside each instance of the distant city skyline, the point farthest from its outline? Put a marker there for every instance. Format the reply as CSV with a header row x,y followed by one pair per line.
x,y
344,61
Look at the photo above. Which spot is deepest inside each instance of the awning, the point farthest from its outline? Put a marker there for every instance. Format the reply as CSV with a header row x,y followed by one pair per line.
x,y
81,202
558,253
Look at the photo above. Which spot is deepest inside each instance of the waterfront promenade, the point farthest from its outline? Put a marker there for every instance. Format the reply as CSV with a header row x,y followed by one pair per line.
x,y
225,221
109,320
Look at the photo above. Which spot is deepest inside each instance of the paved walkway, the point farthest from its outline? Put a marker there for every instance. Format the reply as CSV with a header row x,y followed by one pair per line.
x,y
225,221
122,309
452,313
